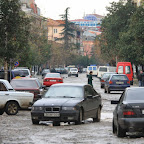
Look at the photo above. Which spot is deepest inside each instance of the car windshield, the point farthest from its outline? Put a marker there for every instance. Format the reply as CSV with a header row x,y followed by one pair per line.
x,y
21,72
119,77
50,75
135,95
24,84
103,69
64,91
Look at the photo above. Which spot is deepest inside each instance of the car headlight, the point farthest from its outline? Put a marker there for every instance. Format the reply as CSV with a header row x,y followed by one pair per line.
x,y
68,108
37,108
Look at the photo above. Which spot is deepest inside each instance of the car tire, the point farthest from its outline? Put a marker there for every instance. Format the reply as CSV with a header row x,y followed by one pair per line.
x,y
76,75
102,86
12,108
105,91
36,122
120,132
113,127
80,118
56,123
108,91
1,111
98,115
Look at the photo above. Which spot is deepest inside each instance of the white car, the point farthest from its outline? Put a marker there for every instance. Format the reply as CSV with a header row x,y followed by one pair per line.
x,y
73,71
11,101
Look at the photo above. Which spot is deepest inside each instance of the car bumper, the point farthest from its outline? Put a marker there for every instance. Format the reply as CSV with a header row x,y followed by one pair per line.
x,y
132,124
65,116
118,88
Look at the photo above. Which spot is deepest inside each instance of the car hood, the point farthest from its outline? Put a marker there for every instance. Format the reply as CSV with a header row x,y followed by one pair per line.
x,y
57,102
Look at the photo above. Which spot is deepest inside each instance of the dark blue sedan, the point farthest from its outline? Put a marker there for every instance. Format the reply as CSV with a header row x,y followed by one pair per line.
x,y
116,82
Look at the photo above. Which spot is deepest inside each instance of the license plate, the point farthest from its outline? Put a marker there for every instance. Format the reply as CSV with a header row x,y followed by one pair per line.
x,y
53,80
119,82
51,114
142,111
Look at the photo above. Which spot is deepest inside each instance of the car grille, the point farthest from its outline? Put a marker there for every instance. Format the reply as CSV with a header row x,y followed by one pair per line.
x,y
52,109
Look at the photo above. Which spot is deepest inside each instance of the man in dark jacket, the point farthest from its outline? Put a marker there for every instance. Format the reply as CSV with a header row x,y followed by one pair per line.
x,y
90,78
140,78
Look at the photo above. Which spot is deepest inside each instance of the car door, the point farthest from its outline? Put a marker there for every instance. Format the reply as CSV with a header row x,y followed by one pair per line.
x,y
90,102
118,109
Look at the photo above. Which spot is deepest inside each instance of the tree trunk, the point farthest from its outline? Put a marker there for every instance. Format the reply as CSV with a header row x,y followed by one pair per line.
x,y
6,70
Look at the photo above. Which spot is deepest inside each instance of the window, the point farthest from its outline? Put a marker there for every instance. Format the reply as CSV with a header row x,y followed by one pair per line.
x,y
120,69
2,87
127,70
55,30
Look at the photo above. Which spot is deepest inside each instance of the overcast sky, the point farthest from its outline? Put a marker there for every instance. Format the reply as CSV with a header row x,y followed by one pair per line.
x,y
54,8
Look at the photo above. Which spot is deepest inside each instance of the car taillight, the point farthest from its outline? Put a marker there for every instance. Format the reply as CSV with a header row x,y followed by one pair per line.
x,y
102,80
128,82
128,113
110,82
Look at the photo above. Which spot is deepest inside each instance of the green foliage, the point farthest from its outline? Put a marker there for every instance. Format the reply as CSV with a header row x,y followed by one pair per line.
x,y
116,22
14,29
67,32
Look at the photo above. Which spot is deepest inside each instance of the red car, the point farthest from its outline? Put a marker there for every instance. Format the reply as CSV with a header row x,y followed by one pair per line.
x,y
31,85
52,78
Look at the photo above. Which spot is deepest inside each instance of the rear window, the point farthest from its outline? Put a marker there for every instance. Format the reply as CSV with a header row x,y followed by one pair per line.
x,y
73,69
90,68
50,75
94,68
103,69
24,84
119,77
134,95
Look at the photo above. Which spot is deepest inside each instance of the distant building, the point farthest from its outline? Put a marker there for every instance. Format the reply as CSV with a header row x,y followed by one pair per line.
x,y
91,25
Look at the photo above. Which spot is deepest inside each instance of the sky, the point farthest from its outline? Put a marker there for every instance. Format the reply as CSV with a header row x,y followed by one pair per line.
x,y
78,8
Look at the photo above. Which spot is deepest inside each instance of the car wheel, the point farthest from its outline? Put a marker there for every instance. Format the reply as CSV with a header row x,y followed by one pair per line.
x,y
76,75
1,111
80,118
105,91
102,86
36,122
120,132
98,115
108,91
113,127
11,108
56,123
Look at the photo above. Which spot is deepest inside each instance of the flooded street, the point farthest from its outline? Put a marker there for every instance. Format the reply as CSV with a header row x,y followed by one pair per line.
x,y
19,129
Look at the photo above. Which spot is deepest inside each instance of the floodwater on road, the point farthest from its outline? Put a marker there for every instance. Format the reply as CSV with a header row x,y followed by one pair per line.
x,y
19,129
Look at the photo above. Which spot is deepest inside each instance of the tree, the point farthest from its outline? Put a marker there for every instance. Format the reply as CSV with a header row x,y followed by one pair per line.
x,y
116,22
14,30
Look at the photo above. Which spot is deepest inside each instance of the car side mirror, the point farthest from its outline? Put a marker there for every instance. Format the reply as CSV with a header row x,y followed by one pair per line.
x,y
39,96
89,96
114,102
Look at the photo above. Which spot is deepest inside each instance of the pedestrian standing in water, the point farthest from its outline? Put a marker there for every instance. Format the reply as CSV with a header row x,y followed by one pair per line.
x,y
90,78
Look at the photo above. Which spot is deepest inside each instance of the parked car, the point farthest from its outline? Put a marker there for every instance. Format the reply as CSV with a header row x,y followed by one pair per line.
x,y
44,72
116,82
105,77
11,101
103,69
128,115
125,68
67,102
73,71
31,85
52,78
22,72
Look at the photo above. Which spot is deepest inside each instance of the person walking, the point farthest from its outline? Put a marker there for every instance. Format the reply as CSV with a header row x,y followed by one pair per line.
x,y
90,78
140,78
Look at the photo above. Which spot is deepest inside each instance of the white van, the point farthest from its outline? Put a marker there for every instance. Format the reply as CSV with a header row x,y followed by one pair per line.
x,y
103,69
93,69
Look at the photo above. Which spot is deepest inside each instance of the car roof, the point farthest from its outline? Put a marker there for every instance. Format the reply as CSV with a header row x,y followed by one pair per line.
x,y
69,84
134,88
